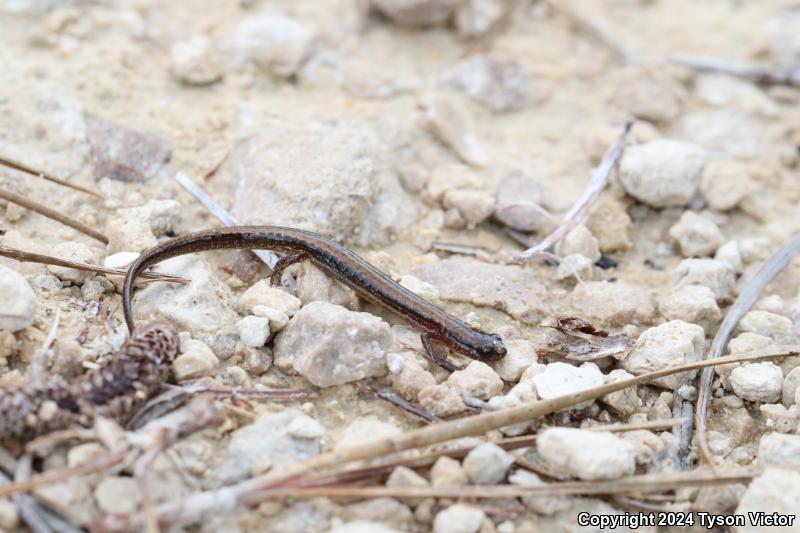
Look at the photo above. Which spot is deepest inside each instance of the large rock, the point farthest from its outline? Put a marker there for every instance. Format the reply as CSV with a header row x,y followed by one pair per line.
x,y
17,301
514,289
586,454
777,490
670,344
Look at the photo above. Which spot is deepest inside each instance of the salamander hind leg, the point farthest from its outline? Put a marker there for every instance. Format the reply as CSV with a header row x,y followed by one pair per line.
x,y
437,352
283,263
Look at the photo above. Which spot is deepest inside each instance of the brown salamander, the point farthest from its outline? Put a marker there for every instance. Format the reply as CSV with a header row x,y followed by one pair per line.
x,y
367,281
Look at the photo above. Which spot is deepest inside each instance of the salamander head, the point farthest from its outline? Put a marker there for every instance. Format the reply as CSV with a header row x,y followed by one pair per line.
x,y
490,348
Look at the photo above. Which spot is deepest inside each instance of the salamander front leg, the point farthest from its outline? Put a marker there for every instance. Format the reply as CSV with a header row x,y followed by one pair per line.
x,y
437,352
283,263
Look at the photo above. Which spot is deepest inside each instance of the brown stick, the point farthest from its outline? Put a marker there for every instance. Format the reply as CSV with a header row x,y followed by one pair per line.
x,y
30,257
52,213
22,167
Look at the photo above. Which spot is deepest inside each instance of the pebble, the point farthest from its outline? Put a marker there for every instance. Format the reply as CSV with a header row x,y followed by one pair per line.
x,y
9,515
721,499
330,345
475,206
448,177
196,61
419,287
125,154
266,440
411,377
459,518
692,303
261,293
416,13
646,443
314,285
84,453
477,380
402,476
253,331
362,526
475,18
561,379
161,215
791,384
579,241
274,42
120,260
196,359
777,490
447,472
778,328
71,498
722,90
441,400
670,344
696,236
521,393
520,355
758,382
729,254
614,304
715,275
17,300
610,224
626,401
382,512
366,429
725,184
776,449
453,127
76,252
127,233
540,504
500,85
487,464
117,494
518,203
575,265
587,455
514,289
719,443
663,172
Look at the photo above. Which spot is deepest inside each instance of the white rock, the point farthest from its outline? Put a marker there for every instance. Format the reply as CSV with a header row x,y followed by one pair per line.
x,y
719,443
459,518
755,249
561,379
487,464
455,129
365,430
277,319
330,345
539,504
577,266
785,43
128,233
410,378
9,515
579,241
777,490
441,400
446,471
588,455
161,215
362,526
729,253
758,382
196,61
120,260
715,275
478,380
670,344
663,172
261,293
791,384
779,328
522,392
76,252
474,205
117,494
626,401
17,301
517,203
696,235
779,418
475,18
520,355
305,427
402,476
614,304
196,359
83,453
725,133
253,331
776,449
725,184
275,42
692,303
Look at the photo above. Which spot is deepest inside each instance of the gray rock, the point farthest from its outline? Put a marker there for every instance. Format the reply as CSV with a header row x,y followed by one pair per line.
x,y
487,464
275,42
715,275
585,454
517,203
670,344
17,301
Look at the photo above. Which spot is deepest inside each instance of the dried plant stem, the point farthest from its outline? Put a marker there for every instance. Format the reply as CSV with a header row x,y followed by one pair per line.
x,y
53,214
30,257
254,490
758,75
578,211
22,167
751,292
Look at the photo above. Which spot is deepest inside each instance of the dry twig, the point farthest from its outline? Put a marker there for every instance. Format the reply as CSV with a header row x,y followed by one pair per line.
x,y
22,167
578,211
758,75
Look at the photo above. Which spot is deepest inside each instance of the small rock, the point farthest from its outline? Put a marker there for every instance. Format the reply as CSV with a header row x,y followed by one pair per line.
x,y
671,344
363,526
625,402
475,18
419,287
305,427
521,393
441,400
779,418
76,252
120,260
725,183
277,319
646,443
274,42
17,300
540,504
411,378
84,453
776,449
692,303
561,379
475,206
511,288
261,293
729,254
72,499
314,285
610,224
499,85
458,518
402,476
696,235
520,355
663,172
478,380
721,499
487,464
579,241
614,304
577,266
446,471
517,203
719,443
9,515
779,328
758,382
755,250
455,130
380,512
366,429
118,495
128,234
587,455
722,90
123,153
331,345
253,331
791,383
161,215
446,178
196,61
715,275
196,359
416,13
777,490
